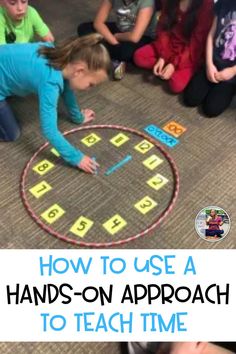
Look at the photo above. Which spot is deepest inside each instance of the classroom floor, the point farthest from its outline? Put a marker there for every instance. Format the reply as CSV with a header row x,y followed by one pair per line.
x,y
205,158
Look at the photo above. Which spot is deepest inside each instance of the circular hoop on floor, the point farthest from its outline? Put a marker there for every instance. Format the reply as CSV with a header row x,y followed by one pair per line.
x,y
133,237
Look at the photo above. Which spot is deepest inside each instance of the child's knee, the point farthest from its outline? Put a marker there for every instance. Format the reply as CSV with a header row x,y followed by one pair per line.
x,y
17,135
13,135
189,99
176,86
211,110
180,80
138,57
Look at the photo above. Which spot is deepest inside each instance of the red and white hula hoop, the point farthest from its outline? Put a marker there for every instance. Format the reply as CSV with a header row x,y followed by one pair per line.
x,y
144,232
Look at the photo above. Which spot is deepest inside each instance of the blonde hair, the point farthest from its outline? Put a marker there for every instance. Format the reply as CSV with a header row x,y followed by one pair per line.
x,y
88,49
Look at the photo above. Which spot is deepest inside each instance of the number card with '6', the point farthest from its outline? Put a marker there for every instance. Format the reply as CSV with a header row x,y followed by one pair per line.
x,y
53,213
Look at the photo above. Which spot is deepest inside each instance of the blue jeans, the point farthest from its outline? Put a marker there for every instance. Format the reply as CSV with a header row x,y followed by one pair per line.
x,y
9,128
214,232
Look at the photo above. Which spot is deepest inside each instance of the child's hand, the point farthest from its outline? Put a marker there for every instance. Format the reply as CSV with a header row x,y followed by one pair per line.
x,y
188,347
212,73
89,115
49,37
88,165
167,72
158,67
118,36
225,74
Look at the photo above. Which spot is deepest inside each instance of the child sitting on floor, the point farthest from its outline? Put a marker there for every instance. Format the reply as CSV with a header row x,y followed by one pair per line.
x,y
134,27
49,72
178,50
213,87
19,23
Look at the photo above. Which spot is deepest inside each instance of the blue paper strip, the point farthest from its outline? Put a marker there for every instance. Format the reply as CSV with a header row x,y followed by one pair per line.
x,y
160,135
118,165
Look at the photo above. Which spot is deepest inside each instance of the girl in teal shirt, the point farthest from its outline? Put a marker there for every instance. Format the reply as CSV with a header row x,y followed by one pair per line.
x,y
49,72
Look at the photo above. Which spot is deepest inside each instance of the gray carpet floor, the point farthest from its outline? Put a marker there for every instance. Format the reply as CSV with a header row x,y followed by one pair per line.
x,y
205,159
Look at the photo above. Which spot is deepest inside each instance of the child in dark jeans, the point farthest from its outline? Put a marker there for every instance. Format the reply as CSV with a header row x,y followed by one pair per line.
x,y
213,87
134,27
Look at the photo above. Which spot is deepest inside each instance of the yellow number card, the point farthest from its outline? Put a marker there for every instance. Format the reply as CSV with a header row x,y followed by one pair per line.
x,y
91,139
53,213
157,182
152,162
119,139
145,205
144,146
81,226
55,152
43,167
40,189
115,224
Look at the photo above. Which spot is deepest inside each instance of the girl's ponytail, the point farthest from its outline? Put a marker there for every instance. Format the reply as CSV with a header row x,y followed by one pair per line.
x,y
88,49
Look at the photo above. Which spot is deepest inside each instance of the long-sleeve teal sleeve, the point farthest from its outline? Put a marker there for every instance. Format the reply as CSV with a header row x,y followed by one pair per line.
x,y
23,71
71,104
48,101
